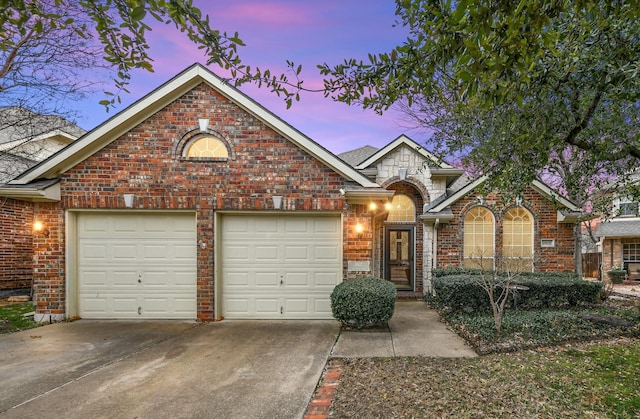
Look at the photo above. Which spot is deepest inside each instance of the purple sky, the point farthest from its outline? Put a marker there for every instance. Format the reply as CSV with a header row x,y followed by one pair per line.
x,y
307,32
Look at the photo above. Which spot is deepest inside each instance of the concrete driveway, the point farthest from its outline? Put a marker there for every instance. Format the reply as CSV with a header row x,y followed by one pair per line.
x,y
258,369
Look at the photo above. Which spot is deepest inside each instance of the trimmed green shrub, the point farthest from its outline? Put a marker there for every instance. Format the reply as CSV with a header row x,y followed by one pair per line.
x,y
361,302
545,290
440,272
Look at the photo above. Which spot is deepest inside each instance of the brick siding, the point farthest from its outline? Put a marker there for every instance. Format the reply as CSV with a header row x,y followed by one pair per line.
x,y
16,244
147,162
557,258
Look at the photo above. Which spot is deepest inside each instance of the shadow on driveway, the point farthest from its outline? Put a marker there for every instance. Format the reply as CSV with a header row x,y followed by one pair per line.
x,y
231,369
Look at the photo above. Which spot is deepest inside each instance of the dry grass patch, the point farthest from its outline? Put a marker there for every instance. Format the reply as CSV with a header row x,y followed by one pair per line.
x,y
573,381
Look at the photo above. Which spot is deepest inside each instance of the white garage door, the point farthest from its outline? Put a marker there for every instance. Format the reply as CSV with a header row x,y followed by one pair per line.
x,y
280,266
136,266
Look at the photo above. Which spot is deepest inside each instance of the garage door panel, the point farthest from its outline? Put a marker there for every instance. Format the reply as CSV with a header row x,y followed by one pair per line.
x,y
297,306
328,253
265,279
266,253
296,225
285,270
237,279
264,225
297,279
122,279
326,279
296,253
238,253
137,265
236,306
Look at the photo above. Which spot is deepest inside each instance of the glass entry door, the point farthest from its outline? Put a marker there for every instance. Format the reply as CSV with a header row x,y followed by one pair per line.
x,y
399,255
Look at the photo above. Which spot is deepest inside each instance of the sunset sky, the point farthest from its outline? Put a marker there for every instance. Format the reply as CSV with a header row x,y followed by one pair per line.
x,y
307,32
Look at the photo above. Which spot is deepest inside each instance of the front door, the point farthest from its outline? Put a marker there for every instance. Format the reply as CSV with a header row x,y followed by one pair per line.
x,y
399,251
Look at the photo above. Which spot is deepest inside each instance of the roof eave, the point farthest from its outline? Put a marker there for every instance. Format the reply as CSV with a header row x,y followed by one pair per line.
x,y
366,196
48,194
436,218
139,111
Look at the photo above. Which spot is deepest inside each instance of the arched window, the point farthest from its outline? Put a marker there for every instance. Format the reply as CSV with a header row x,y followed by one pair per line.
x,y
479,239
206,147
517,240
402,209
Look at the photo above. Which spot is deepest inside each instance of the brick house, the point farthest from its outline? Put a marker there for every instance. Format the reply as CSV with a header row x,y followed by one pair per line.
x,y
620,235
438,219
25,139
197,203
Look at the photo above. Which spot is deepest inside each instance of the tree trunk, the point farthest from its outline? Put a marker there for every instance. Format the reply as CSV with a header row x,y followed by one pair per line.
x,y
577,253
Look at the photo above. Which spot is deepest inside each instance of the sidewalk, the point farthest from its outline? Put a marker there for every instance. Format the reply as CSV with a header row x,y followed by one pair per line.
x,y
627,290
414,330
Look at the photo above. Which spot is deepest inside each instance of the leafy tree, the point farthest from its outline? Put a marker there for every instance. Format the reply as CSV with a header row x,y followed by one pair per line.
x,y
512,85
119,29
48,47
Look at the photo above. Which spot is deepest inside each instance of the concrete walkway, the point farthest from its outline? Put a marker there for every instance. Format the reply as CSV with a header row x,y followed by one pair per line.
x,y
414,330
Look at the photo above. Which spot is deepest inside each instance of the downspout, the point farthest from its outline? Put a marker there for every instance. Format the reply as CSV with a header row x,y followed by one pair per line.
x,y
601,264
375,268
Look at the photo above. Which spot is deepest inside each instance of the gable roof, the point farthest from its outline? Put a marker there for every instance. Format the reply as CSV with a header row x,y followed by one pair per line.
x,y
139,111
619,228
404,140
354,157
443,203
18,125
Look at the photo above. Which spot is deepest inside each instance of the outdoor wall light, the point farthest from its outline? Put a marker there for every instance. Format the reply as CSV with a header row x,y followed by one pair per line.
x,y
373,206
277,202
128,199
388,206
203,123
38,227
359,229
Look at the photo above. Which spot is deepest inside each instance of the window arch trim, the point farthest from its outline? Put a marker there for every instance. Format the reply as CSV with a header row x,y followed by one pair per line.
x,y
479,238
206,144
518,238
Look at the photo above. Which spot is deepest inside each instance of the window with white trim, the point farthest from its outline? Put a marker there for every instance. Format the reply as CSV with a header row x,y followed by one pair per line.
x,y
517,240
206,148
627,207
402,209
479,239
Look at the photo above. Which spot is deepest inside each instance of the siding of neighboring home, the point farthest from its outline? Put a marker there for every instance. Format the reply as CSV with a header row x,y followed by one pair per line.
x,y
147,162
16,244
548,259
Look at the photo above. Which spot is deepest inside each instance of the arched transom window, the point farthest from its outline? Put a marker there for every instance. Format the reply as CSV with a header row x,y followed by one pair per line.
x,y
206,147
479,242
402,209
517,241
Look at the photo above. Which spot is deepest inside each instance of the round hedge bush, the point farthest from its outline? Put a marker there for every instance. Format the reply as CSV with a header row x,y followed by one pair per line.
x,y
363,302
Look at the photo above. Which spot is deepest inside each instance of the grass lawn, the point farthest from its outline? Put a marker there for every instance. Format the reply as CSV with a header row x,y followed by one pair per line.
x,y
12,317
544,364
568,382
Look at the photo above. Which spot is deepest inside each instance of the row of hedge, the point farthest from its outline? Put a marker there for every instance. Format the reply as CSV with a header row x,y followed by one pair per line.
x,y
462,291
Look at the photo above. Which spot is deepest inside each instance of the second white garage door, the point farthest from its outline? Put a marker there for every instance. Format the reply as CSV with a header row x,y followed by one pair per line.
x,y
279,266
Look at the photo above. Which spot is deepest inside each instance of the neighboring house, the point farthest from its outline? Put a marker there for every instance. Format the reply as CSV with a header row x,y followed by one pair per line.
x,y
620,237
25,139
197,202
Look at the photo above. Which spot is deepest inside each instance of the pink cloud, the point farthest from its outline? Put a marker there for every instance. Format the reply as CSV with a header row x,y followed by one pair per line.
x,y
308,33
